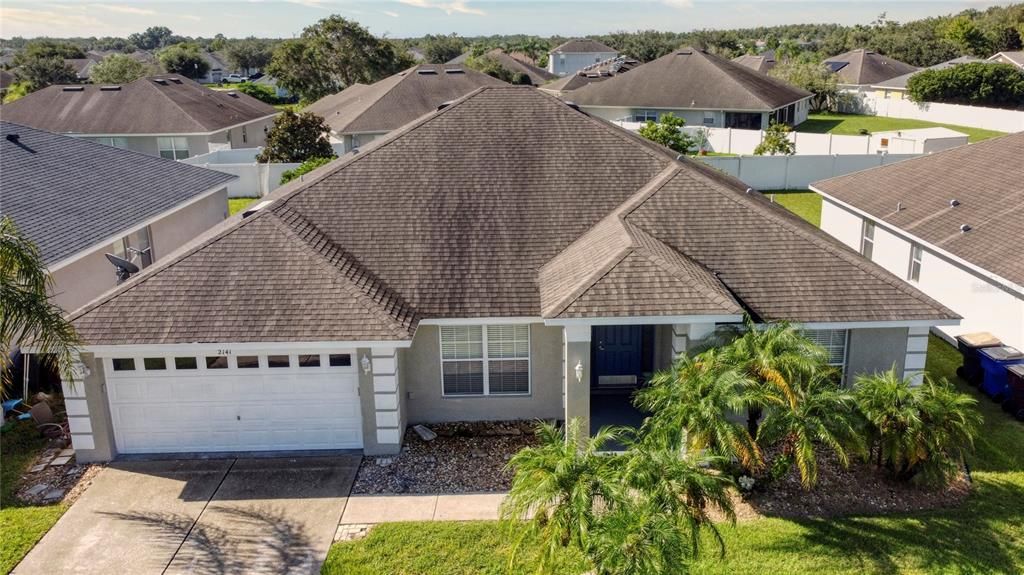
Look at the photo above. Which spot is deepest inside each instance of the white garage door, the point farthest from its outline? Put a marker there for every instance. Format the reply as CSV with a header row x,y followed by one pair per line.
x,y
258,402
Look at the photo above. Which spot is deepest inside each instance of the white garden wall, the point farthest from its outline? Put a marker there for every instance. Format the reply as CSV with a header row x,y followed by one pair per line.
x,y
796,172
970,116
254,179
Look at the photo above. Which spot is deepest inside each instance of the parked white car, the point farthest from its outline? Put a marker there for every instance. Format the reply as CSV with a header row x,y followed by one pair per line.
x,y
235,78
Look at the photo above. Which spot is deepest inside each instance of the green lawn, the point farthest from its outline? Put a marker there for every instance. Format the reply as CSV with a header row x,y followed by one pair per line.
x,y
21,526
985,535
852,124
804,203
236,205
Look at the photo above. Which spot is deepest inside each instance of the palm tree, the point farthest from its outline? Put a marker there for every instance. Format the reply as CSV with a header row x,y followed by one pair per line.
x,y
690,406
771,356
920,432
559,488
816,412
27,316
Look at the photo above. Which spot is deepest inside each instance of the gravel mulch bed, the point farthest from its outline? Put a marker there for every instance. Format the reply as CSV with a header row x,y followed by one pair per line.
x,y
466,457
48,482
861,489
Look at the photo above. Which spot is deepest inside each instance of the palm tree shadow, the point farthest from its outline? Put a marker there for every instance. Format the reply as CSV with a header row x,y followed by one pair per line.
x,y
255,540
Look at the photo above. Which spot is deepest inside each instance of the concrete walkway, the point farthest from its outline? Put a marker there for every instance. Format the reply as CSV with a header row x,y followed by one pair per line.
x,y
372,509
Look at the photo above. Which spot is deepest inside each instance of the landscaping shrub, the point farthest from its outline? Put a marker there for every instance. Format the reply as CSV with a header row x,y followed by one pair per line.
x,y
303,169
972,84
668,131
262,93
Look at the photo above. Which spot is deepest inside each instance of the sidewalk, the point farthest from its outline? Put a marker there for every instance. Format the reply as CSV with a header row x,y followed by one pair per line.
x,y
371,509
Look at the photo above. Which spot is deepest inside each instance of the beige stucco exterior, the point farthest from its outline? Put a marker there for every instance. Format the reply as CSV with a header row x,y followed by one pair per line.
x,y
254,137
90,274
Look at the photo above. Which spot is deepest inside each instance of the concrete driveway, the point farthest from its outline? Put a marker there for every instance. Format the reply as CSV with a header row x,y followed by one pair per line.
x,y
260,515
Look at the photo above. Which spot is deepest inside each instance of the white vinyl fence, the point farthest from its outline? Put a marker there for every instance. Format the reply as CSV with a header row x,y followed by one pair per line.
x,y
796,172
743,142
970,116
255,179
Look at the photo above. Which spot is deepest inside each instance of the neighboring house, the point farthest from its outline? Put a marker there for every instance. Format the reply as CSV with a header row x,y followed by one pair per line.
x,y
860,69
360,113
594,73
267,80
219,69
77,200
896,88
702,88
762,62
169,116
81,66
951,224
1014,58
505,257
575,55
6,81
538,76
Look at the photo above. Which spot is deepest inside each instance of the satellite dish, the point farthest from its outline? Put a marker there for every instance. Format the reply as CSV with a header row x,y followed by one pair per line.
x,y
124,268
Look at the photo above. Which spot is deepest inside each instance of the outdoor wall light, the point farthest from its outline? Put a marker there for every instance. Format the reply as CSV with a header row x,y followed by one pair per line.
x,y
579,371
365,362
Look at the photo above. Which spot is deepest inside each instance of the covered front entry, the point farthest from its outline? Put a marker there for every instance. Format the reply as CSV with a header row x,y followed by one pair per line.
x,y
623,358
225,403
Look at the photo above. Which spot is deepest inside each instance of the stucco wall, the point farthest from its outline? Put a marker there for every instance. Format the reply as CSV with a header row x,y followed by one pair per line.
x,y
570,63
875,350
984,304
420,371
88,277
96,444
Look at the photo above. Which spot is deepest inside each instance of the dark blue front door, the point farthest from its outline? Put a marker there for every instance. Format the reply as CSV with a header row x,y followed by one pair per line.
x,y
618,355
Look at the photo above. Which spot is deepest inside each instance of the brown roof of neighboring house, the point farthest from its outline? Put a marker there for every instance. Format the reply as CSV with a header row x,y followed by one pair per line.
x,y
81,66
166,104
762,62
582,46
862,66
691,79
537,75
495,207
593,73
1016,57
399,99
985,178
6,79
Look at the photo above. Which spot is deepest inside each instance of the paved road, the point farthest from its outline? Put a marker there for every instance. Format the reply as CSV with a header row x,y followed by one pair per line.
x,y
218,516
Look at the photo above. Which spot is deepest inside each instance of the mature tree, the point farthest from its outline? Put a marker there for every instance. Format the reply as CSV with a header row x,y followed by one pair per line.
x,y
918,433
493,68
117,69
811,76
692,405
17,90
643,45
27,316
332,54
532,46
249,54
185,59
776,141
816,412
41,63
965,34
295,138
668,131
440,49
154,38
973,84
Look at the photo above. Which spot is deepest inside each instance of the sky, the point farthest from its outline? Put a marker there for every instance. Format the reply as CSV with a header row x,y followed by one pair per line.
x,y
411,18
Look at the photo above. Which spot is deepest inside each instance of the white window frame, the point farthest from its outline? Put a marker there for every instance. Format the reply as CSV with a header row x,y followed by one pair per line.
x,y
841,364
646,115
175,150
867,238
916,257
120,248
485,360
113,141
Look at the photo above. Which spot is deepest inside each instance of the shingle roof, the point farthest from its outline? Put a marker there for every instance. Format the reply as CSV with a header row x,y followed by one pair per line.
x,y
900,82
762,62
68,194
495,207
399,99
862,66
985,178
1017,57
593,73
537,75
166,104
6,79
691,79
583,46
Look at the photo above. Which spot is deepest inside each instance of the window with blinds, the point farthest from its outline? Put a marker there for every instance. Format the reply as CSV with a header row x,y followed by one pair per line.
x,y
491,360
834,342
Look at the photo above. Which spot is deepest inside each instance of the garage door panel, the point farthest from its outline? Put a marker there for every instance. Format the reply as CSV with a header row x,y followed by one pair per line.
x,y
236,410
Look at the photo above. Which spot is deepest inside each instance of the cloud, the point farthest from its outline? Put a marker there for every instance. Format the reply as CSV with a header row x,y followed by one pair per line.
x,y
319,4
678,3
390,13
192,17
30,22
453,7
125,9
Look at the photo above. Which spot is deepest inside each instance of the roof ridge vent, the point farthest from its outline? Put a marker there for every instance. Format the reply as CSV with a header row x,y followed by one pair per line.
x,y
161,81
454,71
427,72
572,105
954,203
176,80
111,88
684,52
444,105
72,88
964,228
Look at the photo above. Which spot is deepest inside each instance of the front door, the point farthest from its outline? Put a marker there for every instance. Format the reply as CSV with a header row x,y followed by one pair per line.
x,y
618,356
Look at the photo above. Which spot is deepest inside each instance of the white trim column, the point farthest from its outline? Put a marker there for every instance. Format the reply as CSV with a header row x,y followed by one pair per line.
x,y
917,354
577,389
384,363
77,406
680,339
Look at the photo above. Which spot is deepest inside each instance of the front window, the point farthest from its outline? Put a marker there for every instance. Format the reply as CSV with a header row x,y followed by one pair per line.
x,y
485,360
173,148
834,342
111,141
245,135
867,239
645,116
136,247
916,253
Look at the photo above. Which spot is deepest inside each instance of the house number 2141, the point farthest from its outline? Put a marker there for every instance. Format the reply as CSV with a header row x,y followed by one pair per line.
x,y
223,352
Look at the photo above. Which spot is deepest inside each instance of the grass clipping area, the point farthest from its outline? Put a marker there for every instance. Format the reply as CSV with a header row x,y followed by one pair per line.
x,y
985,535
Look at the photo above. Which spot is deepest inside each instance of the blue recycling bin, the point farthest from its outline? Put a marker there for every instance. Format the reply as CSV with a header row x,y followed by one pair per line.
x,y
995,362
969,345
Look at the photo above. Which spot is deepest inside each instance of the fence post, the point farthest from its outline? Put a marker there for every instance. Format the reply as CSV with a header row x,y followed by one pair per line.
x,y
830,143
728,140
